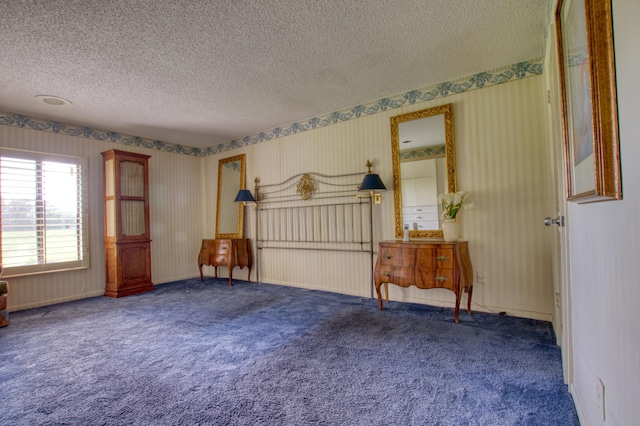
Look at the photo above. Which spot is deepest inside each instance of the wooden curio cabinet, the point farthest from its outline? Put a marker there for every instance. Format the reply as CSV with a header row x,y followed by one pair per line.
x,y
127,240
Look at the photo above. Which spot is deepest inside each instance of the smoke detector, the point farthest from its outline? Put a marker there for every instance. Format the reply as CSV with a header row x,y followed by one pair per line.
x,y
53,100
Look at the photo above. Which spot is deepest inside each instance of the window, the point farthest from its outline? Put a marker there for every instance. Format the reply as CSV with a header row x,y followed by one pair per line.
x,y
42,216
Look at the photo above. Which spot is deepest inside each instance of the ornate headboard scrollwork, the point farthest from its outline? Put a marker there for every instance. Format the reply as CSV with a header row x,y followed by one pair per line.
x,y
306,186
313,211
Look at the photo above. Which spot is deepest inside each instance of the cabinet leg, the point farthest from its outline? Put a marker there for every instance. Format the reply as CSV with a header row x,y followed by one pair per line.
x,y
379,295
201,277
469,300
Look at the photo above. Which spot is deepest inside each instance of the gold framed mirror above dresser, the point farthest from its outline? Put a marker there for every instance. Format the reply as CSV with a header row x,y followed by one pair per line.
x,y
424,165
229,214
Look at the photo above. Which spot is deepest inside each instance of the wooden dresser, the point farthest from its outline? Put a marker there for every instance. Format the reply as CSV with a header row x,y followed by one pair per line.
x,y
225,252
425,264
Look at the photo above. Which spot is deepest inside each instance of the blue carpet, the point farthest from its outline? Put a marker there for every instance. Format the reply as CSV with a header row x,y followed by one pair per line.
x,y
192,353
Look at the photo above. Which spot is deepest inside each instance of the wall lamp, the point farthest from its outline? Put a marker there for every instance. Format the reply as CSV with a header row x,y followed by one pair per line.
x,y
372,183
244,196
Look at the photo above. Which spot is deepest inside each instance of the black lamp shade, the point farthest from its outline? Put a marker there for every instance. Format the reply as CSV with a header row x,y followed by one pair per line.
x,y
244,195
372,182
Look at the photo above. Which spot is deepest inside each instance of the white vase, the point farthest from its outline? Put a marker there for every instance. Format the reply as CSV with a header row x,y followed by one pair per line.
x,y
451,230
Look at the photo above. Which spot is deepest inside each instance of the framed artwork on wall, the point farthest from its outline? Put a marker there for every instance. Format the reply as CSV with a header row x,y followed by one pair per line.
x,y
584,31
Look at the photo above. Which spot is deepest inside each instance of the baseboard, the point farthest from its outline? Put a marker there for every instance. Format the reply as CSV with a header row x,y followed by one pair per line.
x,y
172,280
55,301
476,307
514,312
95,293
328,290
424,301
576,403
443,304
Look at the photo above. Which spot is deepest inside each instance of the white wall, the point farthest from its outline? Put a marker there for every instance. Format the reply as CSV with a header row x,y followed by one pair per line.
x,y
502,158
604,247
175,215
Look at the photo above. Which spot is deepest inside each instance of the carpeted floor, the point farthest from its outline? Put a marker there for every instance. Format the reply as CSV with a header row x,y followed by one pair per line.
x,y
192,353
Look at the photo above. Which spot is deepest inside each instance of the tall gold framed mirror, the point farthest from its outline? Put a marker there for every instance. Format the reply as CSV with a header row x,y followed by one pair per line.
x,y
424,165
230,215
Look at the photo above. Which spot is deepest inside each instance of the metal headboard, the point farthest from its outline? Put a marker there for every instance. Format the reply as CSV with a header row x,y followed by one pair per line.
x,y
313,211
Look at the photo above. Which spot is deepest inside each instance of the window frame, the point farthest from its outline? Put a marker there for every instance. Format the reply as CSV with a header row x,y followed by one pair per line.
x,y
25,270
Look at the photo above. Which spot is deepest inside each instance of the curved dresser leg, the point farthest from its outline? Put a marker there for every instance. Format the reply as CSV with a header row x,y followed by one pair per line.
x,y
379,295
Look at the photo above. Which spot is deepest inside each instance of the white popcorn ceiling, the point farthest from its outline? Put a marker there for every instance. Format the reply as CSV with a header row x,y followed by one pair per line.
x,y
199,73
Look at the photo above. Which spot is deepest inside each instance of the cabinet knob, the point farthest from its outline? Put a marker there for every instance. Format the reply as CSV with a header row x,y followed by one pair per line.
x,y
386,274
442,258
441,279
387,256
222,259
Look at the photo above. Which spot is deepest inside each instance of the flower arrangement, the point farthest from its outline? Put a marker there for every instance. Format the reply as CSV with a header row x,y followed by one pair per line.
x,y
452,202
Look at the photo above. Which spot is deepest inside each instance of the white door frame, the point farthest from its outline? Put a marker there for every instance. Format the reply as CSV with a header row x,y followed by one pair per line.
x,y
562,320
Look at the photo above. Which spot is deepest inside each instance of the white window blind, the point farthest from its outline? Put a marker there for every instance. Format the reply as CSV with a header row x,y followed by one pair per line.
x,y
42,216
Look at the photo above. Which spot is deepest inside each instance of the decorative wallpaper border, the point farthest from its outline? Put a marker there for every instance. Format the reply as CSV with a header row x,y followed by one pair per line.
x,y
18,120
424,153
477,81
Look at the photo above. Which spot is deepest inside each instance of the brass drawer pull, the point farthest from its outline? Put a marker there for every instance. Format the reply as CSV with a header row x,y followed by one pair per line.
x,y
443,258
441,279
386,274
387,256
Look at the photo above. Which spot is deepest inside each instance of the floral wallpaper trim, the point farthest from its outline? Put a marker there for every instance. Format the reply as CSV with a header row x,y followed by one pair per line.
x,y
477,81
424,153
9,119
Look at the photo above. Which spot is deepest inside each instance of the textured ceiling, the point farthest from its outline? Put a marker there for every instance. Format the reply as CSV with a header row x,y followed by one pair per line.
x,y
199,73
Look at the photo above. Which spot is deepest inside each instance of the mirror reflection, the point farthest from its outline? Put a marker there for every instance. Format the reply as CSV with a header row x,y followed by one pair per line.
x,y
230,215
423,156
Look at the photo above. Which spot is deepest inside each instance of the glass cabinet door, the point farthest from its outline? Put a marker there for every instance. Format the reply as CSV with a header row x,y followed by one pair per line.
x,y
132,195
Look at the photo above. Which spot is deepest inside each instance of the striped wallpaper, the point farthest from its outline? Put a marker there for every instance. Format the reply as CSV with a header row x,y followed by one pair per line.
x,y
501,159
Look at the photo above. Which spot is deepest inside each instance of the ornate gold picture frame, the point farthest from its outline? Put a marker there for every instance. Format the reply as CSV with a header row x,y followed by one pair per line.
x,y
584,31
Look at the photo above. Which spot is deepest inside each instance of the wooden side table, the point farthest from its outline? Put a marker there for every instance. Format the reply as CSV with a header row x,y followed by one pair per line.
x,y
225,252
425,264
